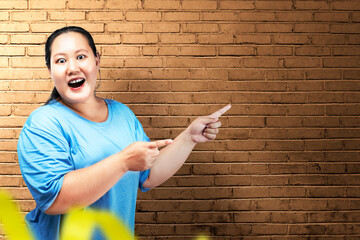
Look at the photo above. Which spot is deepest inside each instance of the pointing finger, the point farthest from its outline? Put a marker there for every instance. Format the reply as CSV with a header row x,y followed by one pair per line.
x,y
220,112
159,143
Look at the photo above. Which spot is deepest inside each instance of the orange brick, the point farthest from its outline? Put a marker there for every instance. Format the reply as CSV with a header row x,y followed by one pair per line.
x,y
184,86
331,17
143,16
153,86
328,39
346,51
255,17
113,86
237,28
181,16
4,62
252,217
177,38
345,28
351,5
309,86
33,62
140,38
261,62
24,109
274,27
31,85
252,39
342,62
243,5
35,51
294,16
123,4
302,62
66,16
311,5
86,4
26,16
215,39
154,4
223,62
45,27
10,181
5,110
106,38
236,51
278,5
8,146
161,27
220,16
197,51
323,74
5,85
356,17
4,39
28,39
12,51
142,62
199,27
92,27
312,51
195,5
50,4
317,28
14,27
326,97
289,217
7,4
120,51
106,15
274,51
291,39
124,27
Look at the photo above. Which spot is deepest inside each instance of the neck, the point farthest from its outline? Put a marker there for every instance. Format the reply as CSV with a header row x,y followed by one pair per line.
x,y
94,109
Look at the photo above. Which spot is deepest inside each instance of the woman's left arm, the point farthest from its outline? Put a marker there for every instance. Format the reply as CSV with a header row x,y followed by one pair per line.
x,y
172,157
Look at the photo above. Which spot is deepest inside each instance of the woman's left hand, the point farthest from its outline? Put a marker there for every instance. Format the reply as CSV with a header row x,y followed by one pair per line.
x,y
205,128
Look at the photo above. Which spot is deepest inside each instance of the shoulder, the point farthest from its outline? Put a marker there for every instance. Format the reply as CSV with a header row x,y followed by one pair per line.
x,y
44,116
119,107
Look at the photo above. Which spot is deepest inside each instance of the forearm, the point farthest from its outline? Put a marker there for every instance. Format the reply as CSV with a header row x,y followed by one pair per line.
x,y
170,160
83,187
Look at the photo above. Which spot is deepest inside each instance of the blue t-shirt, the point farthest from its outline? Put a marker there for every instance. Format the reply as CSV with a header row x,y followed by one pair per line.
x,y
55,140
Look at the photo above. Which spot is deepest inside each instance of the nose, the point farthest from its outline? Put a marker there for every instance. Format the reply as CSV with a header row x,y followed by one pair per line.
x,y
73,67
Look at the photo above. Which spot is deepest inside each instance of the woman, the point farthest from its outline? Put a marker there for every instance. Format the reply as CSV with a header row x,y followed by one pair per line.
x,y
82,150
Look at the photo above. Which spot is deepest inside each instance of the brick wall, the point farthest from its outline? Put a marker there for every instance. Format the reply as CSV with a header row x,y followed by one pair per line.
x,y
286,164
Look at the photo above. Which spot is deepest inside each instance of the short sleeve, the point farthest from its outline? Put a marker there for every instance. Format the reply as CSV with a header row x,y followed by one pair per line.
x,y
143,176
139,131
44,160
141,136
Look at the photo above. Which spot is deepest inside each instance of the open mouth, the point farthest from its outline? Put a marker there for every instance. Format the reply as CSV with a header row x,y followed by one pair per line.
x,y
76,83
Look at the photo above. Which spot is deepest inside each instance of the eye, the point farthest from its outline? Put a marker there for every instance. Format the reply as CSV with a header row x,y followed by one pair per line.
x,y
82,56
61,60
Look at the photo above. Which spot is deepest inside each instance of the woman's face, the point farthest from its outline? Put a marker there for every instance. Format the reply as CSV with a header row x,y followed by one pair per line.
x,y
73,68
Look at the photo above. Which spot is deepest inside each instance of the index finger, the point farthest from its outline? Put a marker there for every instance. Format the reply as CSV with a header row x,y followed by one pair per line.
x,y
220,112
159,143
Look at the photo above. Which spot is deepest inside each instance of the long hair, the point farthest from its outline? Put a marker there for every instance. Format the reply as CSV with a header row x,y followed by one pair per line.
x,y
55,94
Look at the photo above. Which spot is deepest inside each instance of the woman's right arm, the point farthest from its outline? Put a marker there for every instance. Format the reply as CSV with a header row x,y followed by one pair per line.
x,y
84,186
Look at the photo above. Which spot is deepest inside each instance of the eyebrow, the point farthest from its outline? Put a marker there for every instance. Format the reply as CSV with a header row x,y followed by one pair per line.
x,y
80,50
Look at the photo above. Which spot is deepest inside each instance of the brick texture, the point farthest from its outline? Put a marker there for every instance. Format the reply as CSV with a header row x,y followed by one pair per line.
x,y
286,163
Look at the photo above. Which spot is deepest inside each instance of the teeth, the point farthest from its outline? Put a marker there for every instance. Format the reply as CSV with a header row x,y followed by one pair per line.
x,y
76,80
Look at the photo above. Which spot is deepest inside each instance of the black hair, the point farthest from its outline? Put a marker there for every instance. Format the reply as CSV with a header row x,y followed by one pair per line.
x,y
55,94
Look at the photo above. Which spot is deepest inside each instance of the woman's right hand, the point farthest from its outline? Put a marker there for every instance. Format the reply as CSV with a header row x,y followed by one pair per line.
x,y
140,156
